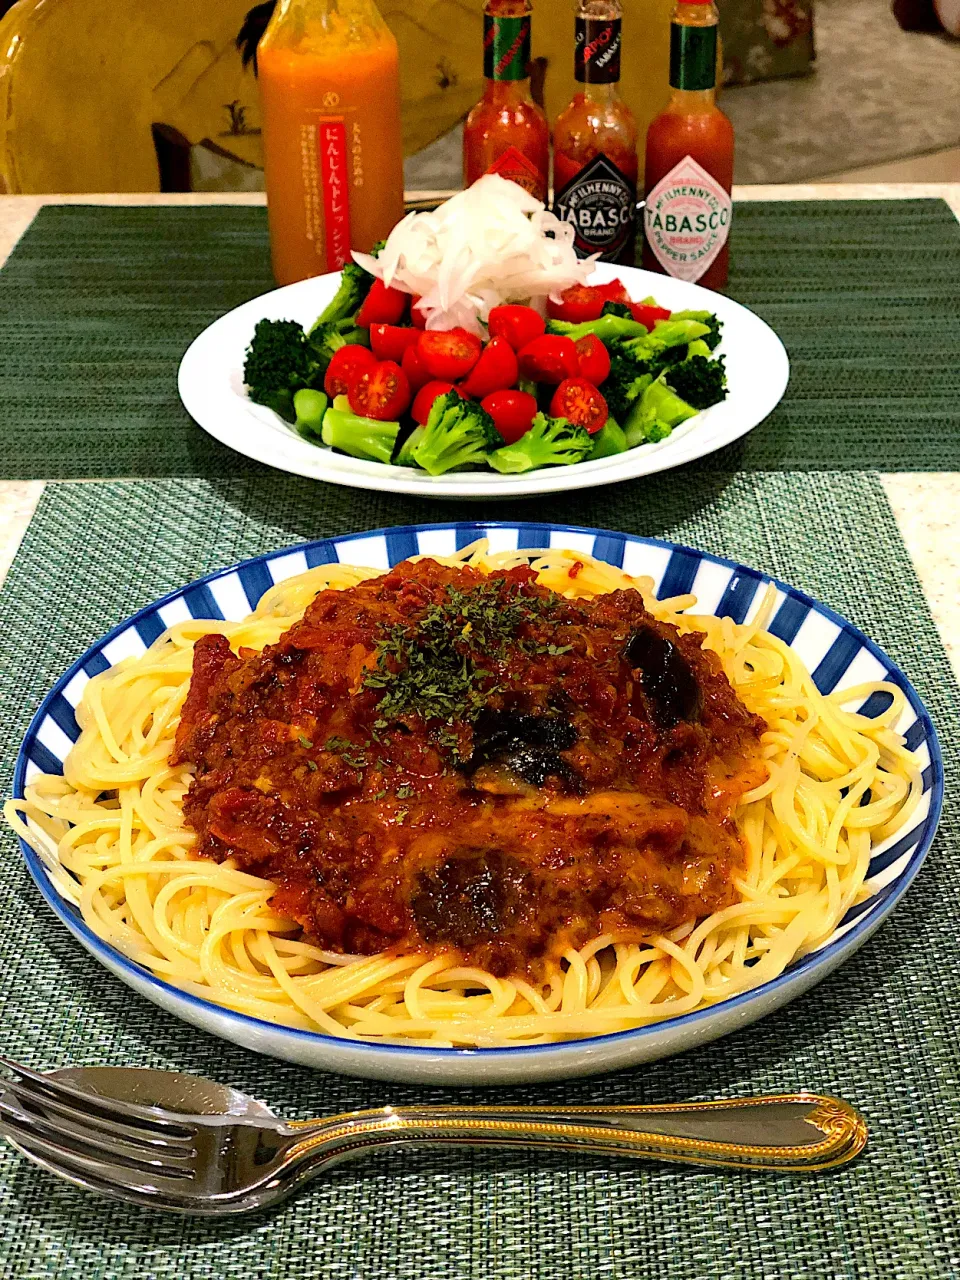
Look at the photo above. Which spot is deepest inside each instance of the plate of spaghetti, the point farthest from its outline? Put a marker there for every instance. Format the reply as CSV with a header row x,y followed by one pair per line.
x,y
477,803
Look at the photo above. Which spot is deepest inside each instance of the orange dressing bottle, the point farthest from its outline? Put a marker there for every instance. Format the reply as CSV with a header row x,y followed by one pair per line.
x,y
689,160
506,132
595,142
333,151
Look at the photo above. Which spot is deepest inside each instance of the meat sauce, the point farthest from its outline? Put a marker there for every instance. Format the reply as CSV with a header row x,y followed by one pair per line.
x,y
438,760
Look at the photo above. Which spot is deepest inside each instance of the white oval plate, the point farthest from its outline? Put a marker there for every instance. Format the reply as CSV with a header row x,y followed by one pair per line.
x,y
837,653
211,387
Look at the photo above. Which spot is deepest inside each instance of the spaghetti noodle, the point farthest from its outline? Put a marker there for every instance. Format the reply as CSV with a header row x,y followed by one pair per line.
x,y
111,832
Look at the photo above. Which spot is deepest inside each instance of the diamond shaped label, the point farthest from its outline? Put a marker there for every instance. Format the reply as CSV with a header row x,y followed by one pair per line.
x,y
514,165
687,220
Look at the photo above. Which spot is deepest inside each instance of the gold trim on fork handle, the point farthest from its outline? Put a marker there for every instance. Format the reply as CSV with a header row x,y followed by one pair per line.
x,y
705,1133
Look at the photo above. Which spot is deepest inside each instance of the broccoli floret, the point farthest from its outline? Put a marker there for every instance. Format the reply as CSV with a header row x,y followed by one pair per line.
x,y
310,406
279,362
655,414
666,335
548,442
608,441
607,328
360,437
618,386
699,381
354,286
698,348
617,309
458,434
325,339
405,457
714,326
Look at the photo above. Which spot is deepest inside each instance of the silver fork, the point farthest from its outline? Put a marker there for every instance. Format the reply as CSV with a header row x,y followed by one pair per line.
x,y
179,1142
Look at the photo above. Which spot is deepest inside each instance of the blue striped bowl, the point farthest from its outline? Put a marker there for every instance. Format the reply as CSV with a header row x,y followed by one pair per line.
x,y
838,654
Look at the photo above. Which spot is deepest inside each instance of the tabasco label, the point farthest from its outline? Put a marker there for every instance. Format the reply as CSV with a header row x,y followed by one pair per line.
x,y
516,167
687,220
600,204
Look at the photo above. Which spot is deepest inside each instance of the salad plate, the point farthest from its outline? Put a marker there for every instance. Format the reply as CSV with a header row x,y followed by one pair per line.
x,y
211,386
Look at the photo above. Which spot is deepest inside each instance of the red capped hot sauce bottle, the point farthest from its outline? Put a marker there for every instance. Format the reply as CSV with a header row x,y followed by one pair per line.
x,y
595,142
689,164
506,132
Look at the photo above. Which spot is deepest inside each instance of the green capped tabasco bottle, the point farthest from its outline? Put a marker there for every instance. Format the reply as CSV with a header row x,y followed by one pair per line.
x,y
689,164
506,132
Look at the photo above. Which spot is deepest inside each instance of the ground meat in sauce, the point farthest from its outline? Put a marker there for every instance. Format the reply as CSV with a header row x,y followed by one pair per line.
x,y
439,760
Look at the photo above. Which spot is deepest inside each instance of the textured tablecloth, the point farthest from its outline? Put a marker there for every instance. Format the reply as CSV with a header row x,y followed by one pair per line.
x,y
881,1031
98,304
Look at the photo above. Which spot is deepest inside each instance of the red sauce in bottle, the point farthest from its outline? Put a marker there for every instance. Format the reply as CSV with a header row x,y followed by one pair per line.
x,y
595,142
506,132
689,160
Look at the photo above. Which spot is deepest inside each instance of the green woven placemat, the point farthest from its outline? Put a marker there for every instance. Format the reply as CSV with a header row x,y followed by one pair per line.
x,y
881,1031
98,304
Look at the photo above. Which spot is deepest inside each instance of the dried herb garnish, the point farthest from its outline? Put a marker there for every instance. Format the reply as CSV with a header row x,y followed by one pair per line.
x,y
440,666
351,753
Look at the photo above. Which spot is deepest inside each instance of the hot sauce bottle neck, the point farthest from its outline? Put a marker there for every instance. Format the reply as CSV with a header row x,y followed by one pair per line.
x,y
506,45
693,55
596,57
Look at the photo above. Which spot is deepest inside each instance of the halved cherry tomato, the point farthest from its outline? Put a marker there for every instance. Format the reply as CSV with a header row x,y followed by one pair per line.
x,y
614,290
585,301
581,403
390,341
578,303
549,358
382,305
345,367
594,359
382,392
423,402
417,318
418,375
519,325
511,411
449,354
648,315
495,370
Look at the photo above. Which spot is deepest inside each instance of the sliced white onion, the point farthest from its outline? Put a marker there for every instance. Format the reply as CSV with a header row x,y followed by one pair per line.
x,y
490,244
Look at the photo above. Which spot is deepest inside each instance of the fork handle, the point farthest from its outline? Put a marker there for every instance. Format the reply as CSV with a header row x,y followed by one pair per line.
x,y
795,1133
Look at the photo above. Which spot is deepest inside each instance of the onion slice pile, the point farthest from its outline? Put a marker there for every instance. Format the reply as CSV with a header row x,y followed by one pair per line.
x,y
490,244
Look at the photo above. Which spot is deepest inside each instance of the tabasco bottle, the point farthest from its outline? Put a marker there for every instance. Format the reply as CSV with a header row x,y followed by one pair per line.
x,y
595,142
689,166
506,132
333,155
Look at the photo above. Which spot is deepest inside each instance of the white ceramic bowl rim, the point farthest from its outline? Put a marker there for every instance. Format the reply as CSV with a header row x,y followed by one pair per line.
x,y
880,905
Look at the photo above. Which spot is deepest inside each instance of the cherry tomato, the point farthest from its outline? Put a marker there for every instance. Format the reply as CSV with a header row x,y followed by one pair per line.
x,y
417,318
382,305
578,303
495,370
519,325
449,354
511,411
648,315
549,358
390,341
412,365
594,359
425,397
614,291
345,367
382,392
581,403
